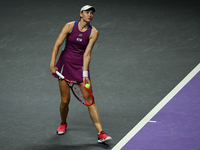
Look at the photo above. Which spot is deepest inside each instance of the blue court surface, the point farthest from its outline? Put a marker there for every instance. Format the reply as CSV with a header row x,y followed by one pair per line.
x,y
173,124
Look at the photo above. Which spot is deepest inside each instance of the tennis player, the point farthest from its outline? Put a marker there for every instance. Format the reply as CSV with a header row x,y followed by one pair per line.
x,y
74,62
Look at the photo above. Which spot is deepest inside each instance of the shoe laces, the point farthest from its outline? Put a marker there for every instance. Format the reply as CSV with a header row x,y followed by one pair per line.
x,y
102,132
62,125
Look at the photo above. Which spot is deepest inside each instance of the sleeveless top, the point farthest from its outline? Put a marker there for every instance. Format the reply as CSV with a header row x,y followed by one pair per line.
x,y
75,46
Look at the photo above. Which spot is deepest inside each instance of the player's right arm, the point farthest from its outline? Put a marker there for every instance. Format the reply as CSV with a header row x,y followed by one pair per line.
x,y
67,29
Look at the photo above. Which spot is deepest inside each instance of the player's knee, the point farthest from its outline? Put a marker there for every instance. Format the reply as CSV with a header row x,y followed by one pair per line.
x,y
65,101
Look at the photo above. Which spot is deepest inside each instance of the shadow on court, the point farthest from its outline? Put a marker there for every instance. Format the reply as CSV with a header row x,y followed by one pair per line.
x,y
67,147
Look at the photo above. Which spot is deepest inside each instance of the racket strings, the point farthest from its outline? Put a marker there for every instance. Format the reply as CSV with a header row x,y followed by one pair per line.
x,y
76,89
82,94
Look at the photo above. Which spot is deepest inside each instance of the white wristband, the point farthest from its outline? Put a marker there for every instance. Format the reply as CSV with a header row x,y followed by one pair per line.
x,y
85,74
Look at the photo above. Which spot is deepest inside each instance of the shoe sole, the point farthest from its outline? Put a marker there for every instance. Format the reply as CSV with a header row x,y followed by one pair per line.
x,y
60,133
106,140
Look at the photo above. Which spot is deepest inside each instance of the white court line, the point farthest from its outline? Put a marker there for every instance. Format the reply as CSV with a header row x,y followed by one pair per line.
x,y
152,121
156,109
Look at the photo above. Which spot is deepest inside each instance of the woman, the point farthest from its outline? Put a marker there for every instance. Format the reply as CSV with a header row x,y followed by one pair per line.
x,y
74,64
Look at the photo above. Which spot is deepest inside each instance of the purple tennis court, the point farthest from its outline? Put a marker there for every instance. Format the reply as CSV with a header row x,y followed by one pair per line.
x,y
177,125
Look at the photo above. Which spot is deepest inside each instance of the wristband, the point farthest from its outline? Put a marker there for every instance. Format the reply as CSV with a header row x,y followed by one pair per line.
x,y
85,74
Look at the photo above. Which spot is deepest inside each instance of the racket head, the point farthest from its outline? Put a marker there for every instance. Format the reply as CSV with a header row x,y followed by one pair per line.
x,y
82,94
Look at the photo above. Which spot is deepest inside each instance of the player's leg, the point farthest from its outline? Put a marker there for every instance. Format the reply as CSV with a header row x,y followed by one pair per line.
x,y
94,114
64,105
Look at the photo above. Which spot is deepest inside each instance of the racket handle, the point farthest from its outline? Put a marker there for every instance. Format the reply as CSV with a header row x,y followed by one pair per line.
x,y
60,75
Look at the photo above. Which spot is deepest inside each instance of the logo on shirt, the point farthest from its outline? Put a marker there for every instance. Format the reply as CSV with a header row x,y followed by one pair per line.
x,y
79,39
80,34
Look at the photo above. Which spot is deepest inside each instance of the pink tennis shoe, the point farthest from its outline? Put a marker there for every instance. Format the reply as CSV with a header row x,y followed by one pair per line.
x,y
103,137
62,128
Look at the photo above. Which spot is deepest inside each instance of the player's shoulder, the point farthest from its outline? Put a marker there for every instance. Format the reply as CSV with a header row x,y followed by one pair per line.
x,y
94,33
94,30
69,26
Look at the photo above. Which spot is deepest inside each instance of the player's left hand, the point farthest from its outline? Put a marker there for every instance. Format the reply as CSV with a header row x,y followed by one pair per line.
x,y
86,81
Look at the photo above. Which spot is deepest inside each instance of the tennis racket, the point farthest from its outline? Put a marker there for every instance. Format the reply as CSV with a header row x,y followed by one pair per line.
x,y
83,94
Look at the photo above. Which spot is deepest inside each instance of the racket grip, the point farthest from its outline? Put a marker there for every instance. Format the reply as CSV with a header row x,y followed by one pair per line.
x,y
60,75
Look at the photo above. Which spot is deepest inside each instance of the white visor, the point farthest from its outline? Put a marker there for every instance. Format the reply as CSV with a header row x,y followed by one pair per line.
x,y
86,7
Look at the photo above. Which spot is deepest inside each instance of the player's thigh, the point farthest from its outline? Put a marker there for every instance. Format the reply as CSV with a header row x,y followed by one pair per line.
x,y
90,86
87,96
64,91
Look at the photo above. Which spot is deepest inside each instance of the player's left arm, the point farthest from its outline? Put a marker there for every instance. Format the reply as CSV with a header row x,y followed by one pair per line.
x,y
87,55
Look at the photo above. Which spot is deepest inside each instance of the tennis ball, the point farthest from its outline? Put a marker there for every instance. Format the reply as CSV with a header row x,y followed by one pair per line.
x,y
87,86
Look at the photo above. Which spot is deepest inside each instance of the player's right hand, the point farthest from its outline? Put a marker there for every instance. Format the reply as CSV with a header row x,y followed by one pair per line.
x,y
53,69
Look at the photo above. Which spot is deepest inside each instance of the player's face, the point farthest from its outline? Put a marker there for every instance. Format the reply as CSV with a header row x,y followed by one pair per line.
x,y
87,15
